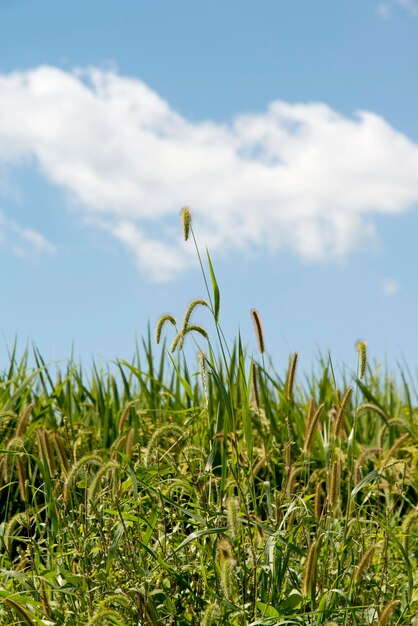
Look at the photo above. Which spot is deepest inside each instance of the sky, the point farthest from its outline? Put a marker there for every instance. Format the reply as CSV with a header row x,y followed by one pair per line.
x,y
289,128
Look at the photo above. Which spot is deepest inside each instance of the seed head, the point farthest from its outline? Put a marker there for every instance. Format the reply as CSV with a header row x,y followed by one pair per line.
x,y
362,357
186,216
258,330
386,613
291,376
163,319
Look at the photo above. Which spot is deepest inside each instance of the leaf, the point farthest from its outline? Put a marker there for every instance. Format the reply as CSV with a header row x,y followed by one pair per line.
x,y
198,533
371,477
183,381
292,601
267,610
216,294
114,546
245,406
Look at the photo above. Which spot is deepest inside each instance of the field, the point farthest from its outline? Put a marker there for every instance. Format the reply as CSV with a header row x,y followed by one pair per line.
x,y
214,491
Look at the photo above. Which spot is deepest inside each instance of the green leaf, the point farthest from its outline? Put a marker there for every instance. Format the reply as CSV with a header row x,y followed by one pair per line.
x,y
216,294
245,406
114,546
371,477
292,601
267,610
183,381
198,533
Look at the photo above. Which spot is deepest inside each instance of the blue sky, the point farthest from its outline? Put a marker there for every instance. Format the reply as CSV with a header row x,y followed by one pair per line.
x,y
291,130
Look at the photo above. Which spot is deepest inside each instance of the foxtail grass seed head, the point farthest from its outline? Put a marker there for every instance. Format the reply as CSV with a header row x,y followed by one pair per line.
x,y
173,430
292,480
386,613
288,455
88,459
19,520
341,411
23,419
124,416
224,549
189,311
361,347
163,320
130,442
211,615
116,598
186,216
369,406
254,384
318,505
202,368
232,511
22,479
312,426
194,328
309,569
95,486
228,579
47,450
104,616
291,376
15,444
258,327
178,342
363,565
334,483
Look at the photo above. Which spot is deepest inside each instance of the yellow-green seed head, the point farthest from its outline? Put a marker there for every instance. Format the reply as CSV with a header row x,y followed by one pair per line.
x,y
291,376
309,569
386,613
232,511
211,615
163,319
362,357
202,367
228,579
186,216
190,309
363,565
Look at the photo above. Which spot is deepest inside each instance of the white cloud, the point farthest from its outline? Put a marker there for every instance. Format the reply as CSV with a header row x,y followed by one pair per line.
x,y
409,5
383,10
24,242
389,286
300,176
157,258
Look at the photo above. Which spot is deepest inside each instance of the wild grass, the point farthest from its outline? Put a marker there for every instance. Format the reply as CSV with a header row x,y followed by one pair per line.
x,y
161,491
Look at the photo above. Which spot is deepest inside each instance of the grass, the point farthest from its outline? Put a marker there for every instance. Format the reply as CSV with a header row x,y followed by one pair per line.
x,y
156,492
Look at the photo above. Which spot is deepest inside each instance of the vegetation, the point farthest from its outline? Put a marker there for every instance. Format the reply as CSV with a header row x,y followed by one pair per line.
x,y
157,493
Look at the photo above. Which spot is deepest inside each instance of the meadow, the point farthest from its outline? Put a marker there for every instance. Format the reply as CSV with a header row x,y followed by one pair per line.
x,y
209,490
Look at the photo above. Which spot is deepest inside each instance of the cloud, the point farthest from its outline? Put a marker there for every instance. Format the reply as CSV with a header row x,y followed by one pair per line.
x,y
389,286
384,9
23,242
409,5
162,261
296,176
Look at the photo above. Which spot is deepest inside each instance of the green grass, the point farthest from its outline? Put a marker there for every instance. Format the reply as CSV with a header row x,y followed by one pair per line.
x,y
209,492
